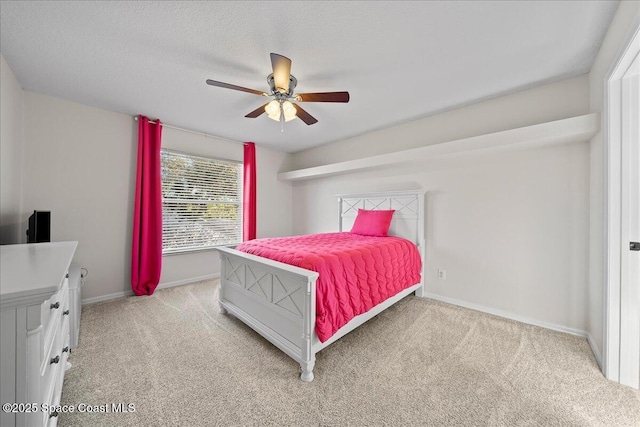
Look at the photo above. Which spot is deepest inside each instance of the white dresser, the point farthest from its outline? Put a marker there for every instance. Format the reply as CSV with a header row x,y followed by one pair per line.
x,y
34,330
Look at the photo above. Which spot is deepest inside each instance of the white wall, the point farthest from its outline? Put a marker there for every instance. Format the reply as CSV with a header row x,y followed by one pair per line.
x,y
12,228
79,164
510,228
609,51
82,167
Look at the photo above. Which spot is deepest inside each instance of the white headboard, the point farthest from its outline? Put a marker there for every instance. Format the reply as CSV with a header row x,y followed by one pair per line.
x,y
408,218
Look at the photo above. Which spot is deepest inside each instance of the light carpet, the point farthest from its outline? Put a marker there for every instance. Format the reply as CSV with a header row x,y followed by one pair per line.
x,y
420,363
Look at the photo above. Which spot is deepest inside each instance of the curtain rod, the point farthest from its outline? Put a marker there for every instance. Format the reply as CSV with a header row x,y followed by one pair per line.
x,y
191,131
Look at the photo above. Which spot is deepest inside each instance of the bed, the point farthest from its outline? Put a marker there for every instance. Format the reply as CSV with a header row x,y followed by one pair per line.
x,y
278,300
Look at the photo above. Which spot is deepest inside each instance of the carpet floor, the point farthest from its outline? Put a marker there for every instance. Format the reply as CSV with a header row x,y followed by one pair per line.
x,y
180,362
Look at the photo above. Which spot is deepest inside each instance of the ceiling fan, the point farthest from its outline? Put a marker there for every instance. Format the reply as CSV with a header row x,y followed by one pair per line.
x,y
282,84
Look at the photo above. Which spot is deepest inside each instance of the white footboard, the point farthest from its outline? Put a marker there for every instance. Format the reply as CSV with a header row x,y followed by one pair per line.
x,y
277,300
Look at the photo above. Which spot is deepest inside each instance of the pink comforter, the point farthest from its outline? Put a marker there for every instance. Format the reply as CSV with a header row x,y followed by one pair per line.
x,y
356,272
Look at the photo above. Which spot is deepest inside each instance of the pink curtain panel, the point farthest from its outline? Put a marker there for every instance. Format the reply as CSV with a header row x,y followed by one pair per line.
x,y
249,193
146,251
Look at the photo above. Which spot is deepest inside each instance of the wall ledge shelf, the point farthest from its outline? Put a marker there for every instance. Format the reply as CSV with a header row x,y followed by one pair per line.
x,y
574,129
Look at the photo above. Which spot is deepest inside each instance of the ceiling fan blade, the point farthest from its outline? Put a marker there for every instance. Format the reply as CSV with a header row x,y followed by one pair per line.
x,y
234,87
257,112
304,116
281,71
323,97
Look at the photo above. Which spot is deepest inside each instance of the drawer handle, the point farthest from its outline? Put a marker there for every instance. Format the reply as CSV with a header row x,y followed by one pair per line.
x,y
54,360
53,414
66,276
65,313
64,350
56,305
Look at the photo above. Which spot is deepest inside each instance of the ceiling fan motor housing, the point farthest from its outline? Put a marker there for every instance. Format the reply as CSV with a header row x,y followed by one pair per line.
x,y
293,82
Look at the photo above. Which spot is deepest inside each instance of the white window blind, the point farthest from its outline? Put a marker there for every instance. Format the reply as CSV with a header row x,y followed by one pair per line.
x,y
201,202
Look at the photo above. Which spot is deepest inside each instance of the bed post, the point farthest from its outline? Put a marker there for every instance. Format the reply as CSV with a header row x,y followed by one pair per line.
x,y
308,355
223,277
340,214
420,240
420,291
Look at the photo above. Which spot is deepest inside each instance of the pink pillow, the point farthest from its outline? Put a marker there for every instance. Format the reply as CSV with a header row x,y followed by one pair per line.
x,y
372,223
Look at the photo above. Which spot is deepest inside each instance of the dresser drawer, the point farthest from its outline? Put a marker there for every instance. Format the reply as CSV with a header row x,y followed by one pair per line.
x,y
53,374
48,307
54,359
52,419
51,314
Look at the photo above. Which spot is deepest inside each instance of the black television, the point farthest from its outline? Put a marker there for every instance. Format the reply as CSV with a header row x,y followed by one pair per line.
x,y
39,227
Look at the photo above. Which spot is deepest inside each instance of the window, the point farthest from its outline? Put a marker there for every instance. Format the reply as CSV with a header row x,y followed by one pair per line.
x,y
201,202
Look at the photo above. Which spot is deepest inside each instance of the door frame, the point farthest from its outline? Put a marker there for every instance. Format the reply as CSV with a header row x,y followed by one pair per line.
x,y
617,310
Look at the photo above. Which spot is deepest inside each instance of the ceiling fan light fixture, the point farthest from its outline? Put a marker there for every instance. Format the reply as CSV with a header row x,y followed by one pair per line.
x,y
289,111
273,110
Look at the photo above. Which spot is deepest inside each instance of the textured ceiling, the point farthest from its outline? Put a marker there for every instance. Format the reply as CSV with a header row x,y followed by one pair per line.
x,y
399,60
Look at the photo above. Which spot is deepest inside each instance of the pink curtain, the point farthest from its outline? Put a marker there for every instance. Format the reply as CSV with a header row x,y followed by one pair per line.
x,y
146,253
249,193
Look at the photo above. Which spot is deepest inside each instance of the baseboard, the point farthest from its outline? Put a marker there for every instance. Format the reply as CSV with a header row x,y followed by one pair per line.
x,y
160,286
107,297
595,350
189,280
508,315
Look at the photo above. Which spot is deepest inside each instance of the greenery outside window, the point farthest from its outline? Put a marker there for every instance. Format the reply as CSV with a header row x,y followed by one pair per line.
x,y
201,202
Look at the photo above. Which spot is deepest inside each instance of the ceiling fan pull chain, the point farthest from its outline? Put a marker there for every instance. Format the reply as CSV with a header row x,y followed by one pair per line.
x,y
281,118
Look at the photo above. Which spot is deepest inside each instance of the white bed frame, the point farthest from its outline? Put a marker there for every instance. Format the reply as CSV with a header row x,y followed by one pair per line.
x,y
278,300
